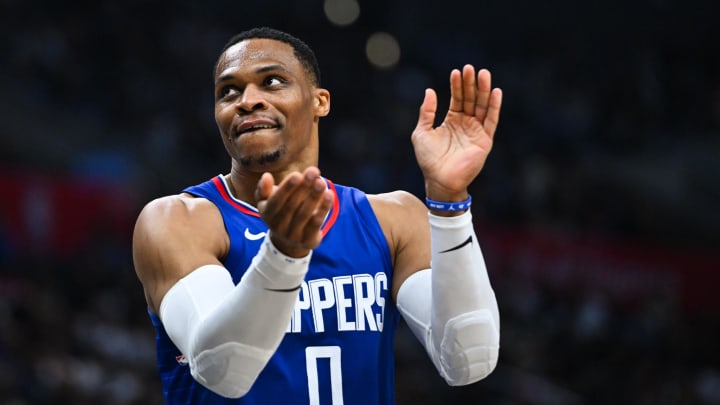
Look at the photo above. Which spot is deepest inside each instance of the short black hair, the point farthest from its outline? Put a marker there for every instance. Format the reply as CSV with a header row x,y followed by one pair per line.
x,y
302,51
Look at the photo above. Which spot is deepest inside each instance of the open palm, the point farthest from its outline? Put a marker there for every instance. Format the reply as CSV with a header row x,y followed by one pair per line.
x,y
452,154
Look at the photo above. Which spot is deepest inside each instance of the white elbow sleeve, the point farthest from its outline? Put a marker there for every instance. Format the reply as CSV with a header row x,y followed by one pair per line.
x,y
228,333
459,325
469,347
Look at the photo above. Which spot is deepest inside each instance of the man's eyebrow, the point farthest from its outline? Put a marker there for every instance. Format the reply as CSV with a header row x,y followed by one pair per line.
x,y
264,69
270,68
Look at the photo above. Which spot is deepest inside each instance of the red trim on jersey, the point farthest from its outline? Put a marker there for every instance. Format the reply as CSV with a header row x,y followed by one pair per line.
x,y
221,188
334,211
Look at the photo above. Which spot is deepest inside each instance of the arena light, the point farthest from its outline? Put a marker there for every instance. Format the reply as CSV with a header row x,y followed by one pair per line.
x,y
341,12
382,50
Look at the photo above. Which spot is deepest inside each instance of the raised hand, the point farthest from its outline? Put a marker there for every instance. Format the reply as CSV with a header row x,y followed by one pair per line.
x,y
294,210
453,154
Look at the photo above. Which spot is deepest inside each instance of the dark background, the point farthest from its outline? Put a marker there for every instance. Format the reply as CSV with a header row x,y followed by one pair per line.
x,y
597,209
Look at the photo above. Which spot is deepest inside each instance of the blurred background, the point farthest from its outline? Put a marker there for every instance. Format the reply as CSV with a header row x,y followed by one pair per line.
x,y
597,210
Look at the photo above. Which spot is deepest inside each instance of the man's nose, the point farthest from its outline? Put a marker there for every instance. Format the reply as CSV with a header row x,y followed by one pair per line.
x,y
252,99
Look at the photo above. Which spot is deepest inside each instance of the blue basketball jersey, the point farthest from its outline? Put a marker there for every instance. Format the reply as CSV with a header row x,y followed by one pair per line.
x,y
338,347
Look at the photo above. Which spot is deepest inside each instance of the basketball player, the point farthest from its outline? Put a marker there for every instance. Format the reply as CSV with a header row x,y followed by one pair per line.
x,y
273,285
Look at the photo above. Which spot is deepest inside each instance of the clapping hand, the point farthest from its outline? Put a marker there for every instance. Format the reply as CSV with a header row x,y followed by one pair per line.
x,y
452,154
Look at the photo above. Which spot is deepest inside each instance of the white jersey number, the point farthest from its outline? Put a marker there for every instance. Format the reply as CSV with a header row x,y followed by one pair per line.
x,y
312,354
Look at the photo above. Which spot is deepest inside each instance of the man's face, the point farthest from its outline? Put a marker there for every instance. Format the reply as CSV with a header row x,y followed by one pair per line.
x,y
266,107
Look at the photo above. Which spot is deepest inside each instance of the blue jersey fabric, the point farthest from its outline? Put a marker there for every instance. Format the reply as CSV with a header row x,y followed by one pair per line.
x,y
338,348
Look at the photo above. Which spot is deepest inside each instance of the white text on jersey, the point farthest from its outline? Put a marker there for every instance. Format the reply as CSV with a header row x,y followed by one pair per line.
x,y
358,303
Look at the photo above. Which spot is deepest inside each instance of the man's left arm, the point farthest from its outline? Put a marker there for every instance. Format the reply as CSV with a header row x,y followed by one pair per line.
x,y
459,326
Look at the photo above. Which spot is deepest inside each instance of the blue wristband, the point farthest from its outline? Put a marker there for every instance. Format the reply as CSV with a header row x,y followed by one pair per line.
x,y
449,206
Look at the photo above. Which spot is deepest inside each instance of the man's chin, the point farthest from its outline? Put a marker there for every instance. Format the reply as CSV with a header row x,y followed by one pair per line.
x,y
262,160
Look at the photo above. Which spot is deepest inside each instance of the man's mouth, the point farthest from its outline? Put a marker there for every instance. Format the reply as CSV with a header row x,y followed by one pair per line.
x,y
255,128
252,126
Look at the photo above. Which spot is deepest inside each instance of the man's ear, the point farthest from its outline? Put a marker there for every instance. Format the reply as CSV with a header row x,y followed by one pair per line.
x,y
322,102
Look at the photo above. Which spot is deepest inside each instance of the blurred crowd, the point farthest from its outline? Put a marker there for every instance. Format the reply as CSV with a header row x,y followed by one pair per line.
x,y
597,210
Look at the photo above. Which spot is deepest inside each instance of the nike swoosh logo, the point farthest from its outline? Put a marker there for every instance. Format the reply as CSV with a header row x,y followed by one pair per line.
x,y
284,289
468,241
253,236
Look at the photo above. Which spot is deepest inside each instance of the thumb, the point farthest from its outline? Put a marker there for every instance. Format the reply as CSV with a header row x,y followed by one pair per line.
x,y
426,118
264,187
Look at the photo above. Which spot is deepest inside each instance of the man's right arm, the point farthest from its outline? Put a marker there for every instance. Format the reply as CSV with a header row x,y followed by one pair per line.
x,y
227,332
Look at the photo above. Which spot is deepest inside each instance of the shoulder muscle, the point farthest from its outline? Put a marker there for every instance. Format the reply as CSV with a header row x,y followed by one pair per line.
x,y
404,220
173,236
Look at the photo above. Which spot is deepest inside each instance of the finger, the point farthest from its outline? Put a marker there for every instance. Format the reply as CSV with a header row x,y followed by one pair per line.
x,y
469,89
313,232
456,91
286,213
272,207
493,112
264,187
426,118
484,81
301,222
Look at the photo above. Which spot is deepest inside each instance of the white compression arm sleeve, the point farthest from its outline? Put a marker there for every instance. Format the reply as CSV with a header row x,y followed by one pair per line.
x,y
228,333
459,325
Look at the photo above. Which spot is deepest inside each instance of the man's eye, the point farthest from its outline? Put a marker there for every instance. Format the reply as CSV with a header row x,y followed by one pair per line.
x,y
273,81
228,91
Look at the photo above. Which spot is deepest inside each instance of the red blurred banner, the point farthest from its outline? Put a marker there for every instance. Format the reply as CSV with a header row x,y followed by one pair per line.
x,y
42,214
625,271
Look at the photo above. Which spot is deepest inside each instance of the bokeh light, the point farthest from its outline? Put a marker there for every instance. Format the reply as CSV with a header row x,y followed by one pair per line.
x,y
342,12
382,50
